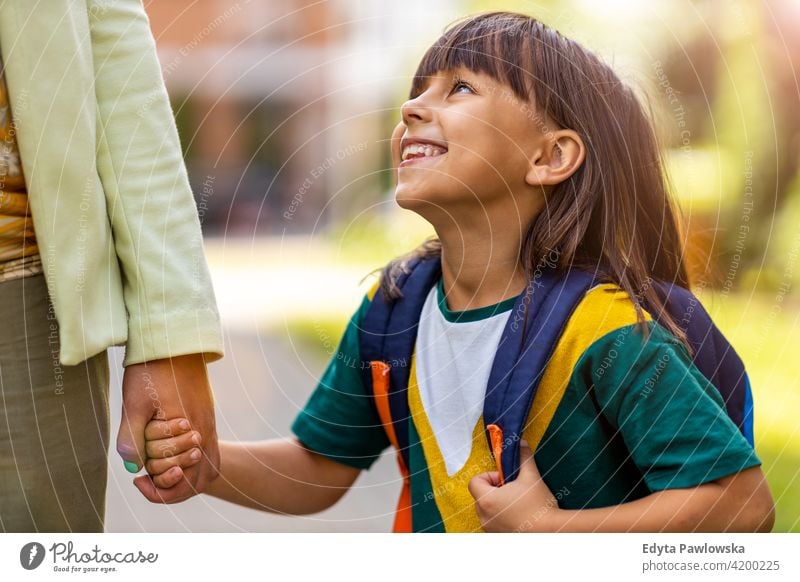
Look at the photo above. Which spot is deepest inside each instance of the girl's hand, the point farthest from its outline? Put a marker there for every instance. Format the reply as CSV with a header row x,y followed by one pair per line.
x,y
171,446
524,504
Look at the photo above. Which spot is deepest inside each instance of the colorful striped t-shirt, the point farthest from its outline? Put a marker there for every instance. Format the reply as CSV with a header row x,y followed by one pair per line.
x,y
616,416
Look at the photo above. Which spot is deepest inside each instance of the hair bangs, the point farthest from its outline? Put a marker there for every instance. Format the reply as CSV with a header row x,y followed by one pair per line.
x,y
496,44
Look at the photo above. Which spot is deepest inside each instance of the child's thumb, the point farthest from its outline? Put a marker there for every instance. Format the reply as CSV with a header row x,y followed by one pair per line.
x,y
481,484
527,466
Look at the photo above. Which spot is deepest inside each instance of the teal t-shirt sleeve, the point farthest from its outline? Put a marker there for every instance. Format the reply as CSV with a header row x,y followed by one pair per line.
x,y
339,420
671,418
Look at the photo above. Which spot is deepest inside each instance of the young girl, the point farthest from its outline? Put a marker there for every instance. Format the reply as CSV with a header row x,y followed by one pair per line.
x,y
519,146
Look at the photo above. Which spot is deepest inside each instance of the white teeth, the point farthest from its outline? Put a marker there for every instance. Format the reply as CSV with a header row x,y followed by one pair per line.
x,y
425,150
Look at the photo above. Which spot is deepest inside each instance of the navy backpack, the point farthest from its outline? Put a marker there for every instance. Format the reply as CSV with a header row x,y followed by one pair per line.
x,y
389,332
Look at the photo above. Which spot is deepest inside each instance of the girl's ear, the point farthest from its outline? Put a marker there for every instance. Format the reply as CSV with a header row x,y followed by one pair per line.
x,y
561,154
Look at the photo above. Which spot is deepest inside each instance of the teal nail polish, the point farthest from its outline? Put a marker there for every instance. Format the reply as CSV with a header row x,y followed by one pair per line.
x,y
131,467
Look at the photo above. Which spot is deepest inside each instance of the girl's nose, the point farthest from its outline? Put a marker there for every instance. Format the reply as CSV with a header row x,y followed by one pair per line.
x,y
414,110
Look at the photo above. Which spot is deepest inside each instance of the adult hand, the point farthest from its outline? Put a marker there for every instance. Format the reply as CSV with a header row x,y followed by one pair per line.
x,y
524,504
165,389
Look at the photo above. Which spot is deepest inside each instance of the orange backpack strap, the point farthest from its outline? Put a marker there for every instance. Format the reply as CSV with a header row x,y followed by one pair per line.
x,y
380,387
387,335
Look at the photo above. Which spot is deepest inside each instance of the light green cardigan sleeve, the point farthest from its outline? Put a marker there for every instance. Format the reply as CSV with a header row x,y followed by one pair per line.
x,y
166,284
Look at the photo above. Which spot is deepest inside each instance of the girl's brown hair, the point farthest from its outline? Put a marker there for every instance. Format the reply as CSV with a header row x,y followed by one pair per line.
x,y
614,214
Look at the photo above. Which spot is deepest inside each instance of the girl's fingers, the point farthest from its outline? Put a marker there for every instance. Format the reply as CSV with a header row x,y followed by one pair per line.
x,y
161,449
164,429
169,479
184,460
483,483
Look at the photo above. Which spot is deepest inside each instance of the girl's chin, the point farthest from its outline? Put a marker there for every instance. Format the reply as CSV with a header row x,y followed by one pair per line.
x,y
405,199
410,201
415,197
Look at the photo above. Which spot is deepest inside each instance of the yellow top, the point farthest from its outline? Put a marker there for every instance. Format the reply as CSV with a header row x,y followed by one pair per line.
x,y
19,254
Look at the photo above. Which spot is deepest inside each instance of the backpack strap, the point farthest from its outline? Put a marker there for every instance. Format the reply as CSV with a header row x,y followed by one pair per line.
x,y
387,337
524,350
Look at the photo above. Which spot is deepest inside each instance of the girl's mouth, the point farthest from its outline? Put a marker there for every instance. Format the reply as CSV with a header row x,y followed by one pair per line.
x,y
416,153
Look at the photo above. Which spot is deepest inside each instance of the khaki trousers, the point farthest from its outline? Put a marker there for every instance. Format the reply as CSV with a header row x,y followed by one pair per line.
x,y
54,421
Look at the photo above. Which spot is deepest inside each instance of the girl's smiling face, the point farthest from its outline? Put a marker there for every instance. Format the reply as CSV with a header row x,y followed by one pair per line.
x,y
467,140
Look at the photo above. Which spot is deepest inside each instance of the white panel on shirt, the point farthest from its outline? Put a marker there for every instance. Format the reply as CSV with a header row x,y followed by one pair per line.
x,y
453,362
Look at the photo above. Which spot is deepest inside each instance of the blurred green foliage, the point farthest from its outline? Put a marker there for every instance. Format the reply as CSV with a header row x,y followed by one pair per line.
x,y
765,332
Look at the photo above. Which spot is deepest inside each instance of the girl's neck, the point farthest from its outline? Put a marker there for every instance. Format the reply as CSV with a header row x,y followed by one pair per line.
x,y
480,267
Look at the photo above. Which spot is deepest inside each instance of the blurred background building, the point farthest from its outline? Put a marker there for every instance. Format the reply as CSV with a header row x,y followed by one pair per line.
x,y
284,108
283,105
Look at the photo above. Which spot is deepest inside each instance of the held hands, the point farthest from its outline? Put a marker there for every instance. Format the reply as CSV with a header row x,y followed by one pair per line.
x,y
524,504
171,447
171,388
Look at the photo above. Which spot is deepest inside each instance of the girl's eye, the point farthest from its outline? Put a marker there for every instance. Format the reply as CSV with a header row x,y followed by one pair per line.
x,y
460,85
